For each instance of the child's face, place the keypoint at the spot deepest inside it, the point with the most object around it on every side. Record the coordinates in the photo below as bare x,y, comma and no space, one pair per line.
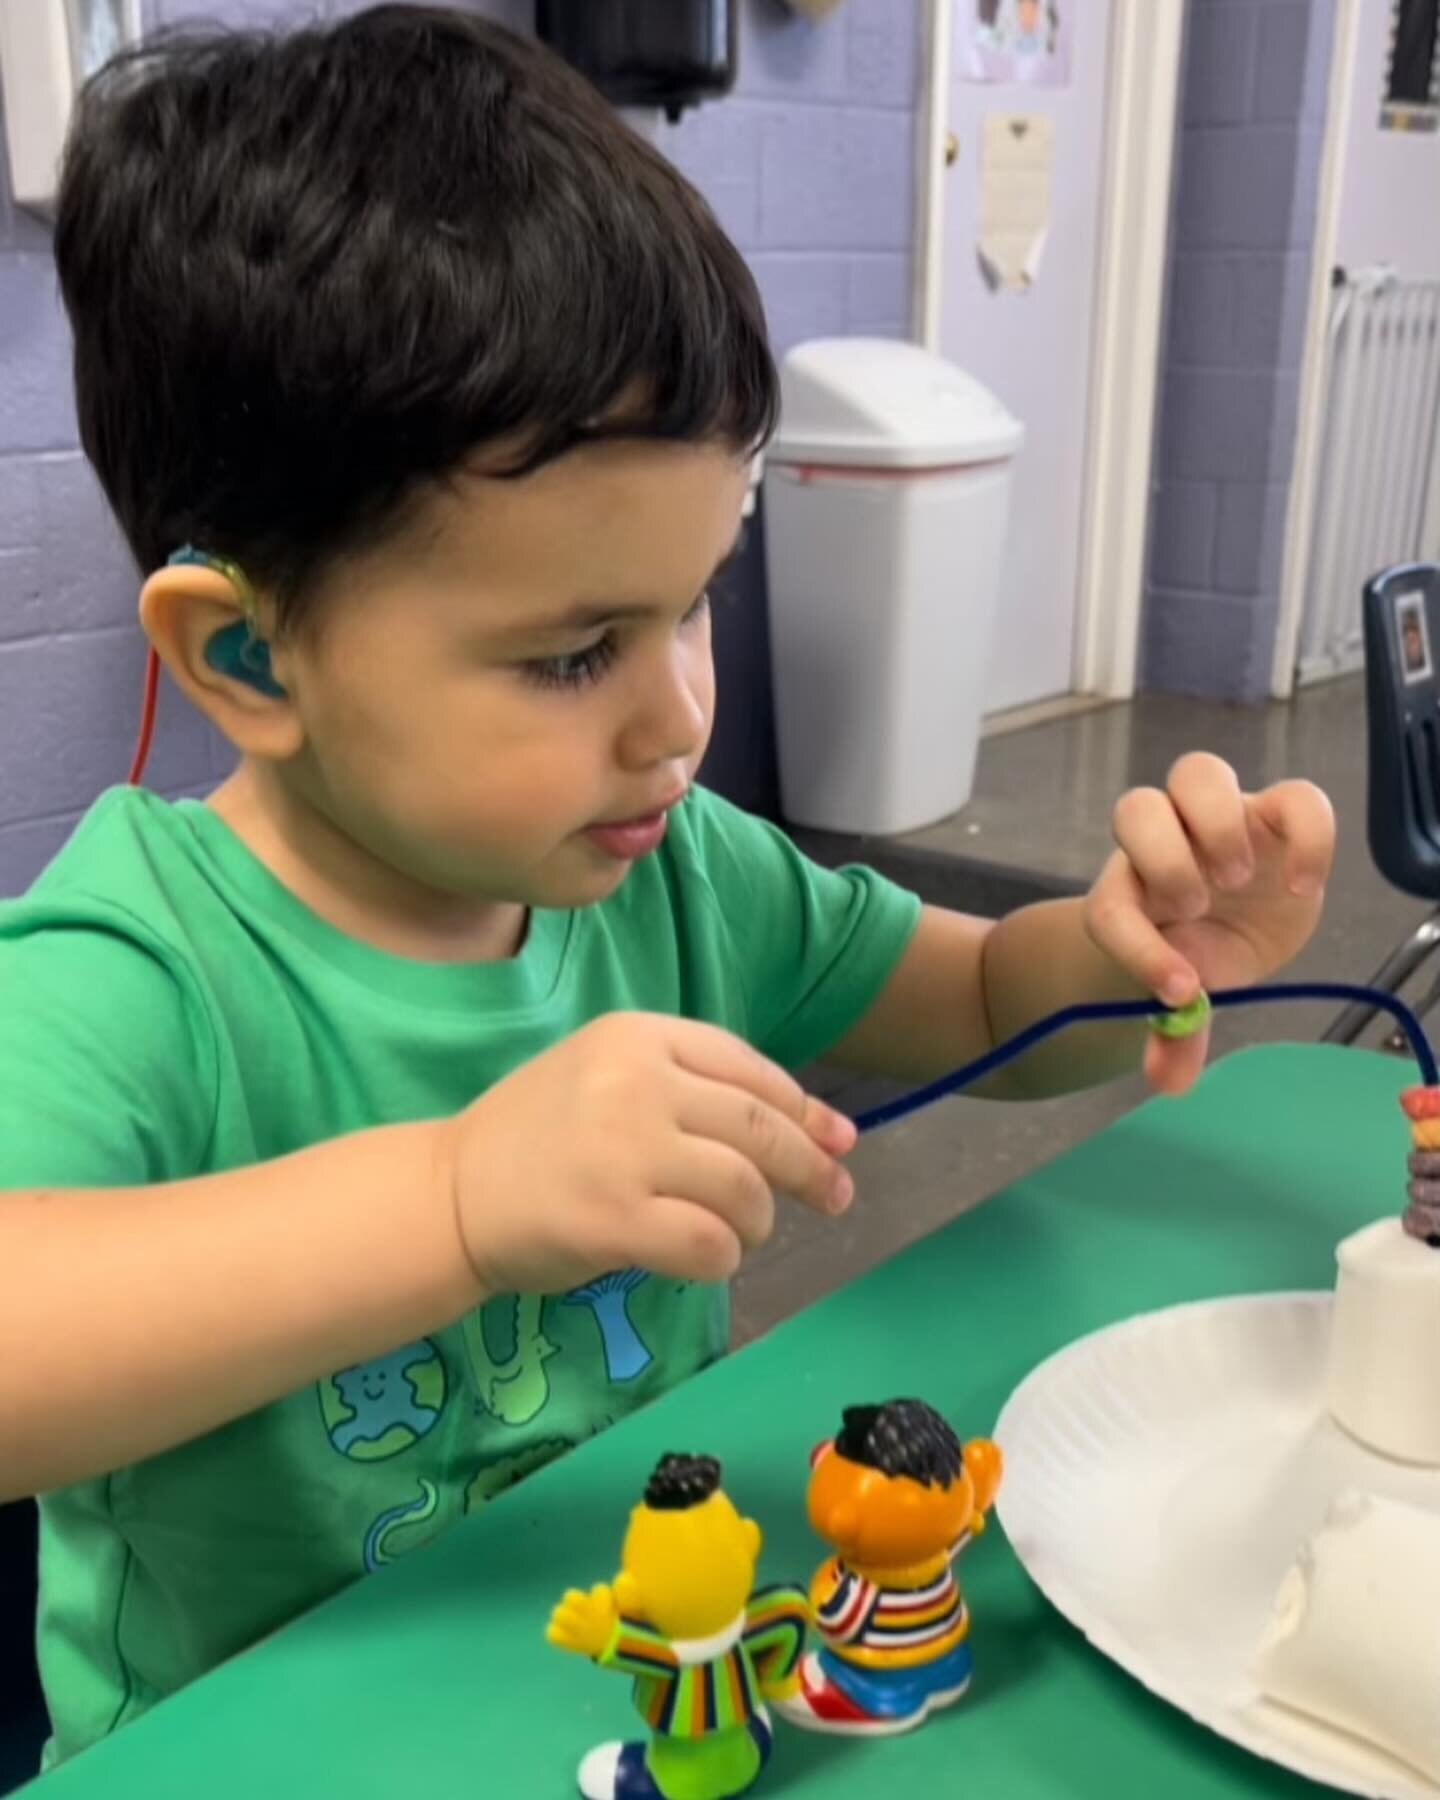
524,662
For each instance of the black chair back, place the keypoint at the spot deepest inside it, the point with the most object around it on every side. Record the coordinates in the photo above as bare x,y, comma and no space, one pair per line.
1402,692
23,1722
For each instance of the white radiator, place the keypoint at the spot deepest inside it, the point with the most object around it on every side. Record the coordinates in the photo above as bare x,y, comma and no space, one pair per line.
1379,500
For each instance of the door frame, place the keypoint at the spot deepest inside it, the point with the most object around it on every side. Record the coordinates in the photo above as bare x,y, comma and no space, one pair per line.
1143,96
1306,475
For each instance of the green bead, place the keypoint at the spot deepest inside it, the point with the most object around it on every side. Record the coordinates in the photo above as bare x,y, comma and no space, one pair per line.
1183,1021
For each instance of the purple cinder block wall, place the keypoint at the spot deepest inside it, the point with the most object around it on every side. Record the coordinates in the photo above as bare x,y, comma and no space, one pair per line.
809,166
1242,234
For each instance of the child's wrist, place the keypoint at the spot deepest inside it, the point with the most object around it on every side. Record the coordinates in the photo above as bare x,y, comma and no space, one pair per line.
442,1151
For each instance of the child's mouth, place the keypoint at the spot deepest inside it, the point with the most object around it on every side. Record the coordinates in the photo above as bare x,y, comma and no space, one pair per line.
630,838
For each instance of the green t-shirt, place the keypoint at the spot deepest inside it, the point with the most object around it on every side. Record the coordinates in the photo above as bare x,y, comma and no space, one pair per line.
169,1009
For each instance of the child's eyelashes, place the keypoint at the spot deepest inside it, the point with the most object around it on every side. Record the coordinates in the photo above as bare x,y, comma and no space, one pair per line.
582,668
577,669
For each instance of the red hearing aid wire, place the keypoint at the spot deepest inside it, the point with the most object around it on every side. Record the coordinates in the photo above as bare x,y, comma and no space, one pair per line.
147,720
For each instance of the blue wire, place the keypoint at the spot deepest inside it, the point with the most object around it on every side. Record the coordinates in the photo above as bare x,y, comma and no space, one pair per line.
1034,1034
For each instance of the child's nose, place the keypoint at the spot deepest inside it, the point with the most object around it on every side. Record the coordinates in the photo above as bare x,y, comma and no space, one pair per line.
669,721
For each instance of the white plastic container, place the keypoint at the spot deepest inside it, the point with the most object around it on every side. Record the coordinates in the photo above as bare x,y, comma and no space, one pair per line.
886,499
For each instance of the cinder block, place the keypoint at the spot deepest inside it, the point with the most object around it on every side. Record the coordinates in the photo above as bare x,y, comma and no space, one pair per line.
1220,65
804,296
36,409
837,179
1237,188
1182,535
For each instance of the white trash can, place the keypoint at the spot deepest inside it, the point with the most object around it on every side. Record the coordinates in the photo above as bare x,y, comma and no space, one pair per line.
886,497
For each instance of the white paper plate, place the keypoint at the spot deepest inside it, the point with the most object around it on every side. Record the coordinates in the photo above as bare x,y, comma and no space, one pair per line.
1159,1478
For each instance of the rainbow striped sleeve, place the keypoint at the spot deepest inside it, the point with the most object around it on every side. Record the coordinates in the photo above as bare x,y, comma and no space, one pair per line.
774,1636
637,1650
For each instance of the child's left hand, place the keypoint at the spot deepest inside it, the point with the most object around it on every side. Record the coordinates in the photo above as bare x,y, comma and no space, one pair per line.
1210,888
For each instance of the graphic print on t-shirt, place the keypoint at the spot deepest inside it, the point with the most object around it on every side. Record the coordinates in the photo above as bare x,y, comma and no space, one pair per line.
626,1352
376,1410
513,1387
414,1512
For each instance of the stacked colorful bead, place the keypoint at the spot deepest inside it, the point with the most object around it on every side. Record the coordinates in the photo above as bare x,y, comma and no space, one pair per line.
1422,1215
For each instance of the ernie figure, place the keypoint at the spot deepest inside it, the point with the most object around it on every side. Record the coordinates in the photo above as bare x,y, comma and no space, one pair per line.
706,1650
899,1499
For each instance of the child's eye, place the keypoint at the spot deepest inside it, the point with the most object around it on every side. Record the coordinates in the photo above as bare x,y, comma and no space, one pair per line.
576,670
579,668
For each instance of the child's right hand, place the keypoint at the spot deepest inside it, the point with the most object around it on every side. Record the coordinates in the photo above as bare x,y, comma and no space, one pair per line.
641,1141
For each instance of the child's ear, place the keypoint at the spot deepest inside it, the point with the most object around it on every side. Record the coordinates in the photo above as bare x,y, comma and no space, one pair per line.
626,1590
754,1538
184,607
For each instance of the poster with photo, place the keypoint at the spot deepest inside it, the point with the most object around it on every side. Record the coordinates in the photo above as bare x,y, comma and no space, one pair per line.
1023,42
1412,81
1415,658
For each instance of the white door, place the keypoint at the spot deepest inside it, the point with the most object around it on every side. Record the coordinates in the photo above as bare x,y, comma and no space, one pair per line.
1033,346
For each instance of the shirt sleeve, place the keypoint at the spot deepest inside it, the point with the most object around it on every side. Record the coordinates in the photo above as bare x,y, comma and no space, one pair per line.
107,1060
776,1622
814,947
636,1649
842,1602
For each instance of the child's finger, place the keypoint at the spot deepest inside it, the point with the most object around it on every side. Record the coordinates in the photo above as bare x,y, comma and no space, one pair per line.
1116,919
1174,1065
675,1237
1301,816
717,1056
1148,829
775,1149
714,1176
1205,793
831,1130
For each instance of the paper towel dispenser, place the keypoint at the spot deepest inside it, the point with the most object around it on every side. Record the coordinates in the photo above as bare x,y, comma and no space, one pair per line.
660,53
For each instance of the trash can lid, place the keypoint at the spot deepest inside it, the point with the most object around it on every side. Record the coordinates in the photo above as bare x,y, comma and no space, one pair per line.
881,403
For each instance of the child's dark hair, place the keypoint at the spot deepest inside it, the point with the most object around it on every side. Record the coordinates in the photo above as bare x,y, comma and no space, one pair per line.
309,272
680,1482
903,1437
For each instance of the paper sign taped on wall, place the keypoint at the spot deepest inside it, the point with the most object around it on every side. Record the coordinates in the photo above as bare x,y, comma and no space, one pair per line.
1014,41
1015,197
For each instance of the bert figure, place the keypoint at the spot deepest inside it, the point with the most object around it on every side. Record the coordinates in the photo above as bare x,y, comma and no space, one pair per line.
705,1650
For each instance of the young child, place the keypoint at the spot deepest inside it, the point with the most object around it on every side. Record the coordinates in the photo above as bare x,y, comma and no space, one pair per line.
393,1120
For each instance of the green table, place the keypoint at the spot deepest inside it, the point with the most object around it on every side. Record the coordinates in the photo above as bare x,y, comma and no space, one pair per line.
432,1679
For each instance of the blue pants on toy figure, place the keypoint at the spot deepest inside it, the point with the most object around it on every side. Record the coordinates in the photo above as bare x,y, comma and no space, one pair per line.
899,1693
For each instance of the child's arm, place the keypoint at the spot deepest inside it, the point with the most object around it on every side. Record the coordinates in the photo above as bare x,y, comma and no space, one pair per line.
134,1318
1209,888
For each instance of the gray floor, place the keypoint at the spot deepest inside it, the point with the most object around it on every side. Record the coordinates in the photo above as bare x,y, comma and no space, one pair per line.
1042,802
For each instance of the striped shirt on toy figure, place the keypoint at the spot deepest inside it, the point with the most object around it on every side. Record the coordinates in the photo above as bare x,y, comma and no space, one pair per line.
705,1650
899,1499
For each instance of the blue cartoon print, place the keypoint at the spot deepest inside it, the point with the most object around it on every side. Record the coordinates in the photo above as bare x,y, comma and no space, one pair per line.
398,1518
376,1410
626,1353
